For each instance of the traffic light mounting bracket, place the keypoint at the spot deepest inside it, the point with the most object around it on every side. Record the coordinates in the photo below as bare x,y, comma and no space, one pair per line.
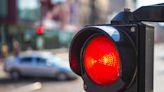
152,13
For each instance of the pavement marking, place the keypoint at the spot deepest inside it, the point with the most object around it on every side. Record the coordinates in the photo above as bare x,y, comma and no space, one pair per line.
28,88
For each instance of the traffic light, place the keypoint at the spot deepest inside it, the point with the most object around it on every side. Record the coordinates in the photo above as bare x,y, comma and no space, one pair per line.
117,57
39,30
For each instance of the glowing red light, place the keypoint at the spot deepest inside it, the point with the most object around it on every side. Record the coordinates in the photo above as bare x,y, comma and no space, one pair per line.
101,60
40,30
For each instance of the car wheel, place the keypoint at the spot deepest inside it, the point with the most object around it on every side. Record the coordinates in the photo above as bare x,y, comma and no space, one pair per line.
61,76
14,74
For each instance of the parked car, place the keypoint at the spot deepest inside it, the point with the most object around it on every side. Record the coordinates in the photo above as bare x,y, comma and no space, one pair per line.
38,64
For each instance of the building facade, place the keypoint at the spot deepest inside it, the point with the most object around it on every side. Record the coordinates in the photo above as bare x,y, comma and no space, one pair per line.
19,20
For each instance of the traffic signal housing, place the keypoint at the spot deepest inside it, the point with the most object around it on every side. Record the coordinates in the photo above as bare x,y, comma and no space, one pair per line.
117,57
113,58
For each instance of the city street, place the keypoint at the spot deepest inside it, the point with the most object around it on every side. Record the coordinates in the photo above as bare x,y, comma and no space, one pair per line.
36,36
50,85
41,84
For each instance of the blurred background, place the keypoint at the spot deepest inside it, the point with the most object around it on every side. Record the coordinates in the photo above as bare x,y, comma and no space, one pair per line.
35,36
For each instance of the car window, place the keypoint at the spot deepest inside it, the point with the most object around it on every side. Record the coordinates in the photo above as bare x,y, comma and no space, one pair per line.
41,61
26,60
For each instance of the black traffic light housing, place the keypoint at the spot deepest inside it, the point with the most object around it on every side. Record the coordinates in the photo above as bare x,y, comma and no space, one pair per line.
135,44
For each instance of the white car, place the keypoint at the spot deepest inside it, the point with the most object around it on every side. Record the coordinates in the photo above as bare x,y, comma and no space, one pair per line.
38,64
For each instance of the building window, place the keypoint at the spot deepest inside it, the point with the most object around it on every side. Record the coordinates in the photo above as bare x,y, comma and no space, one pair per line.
29,10
3,9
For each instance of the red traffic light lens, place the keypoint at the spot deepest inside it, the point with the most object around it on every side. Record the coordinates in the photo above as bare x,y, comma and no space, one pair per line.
40,30
101,60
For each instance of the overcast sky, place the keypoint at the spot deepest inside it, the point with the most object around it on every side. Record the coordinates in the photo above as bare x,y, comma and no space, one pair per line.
148,2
